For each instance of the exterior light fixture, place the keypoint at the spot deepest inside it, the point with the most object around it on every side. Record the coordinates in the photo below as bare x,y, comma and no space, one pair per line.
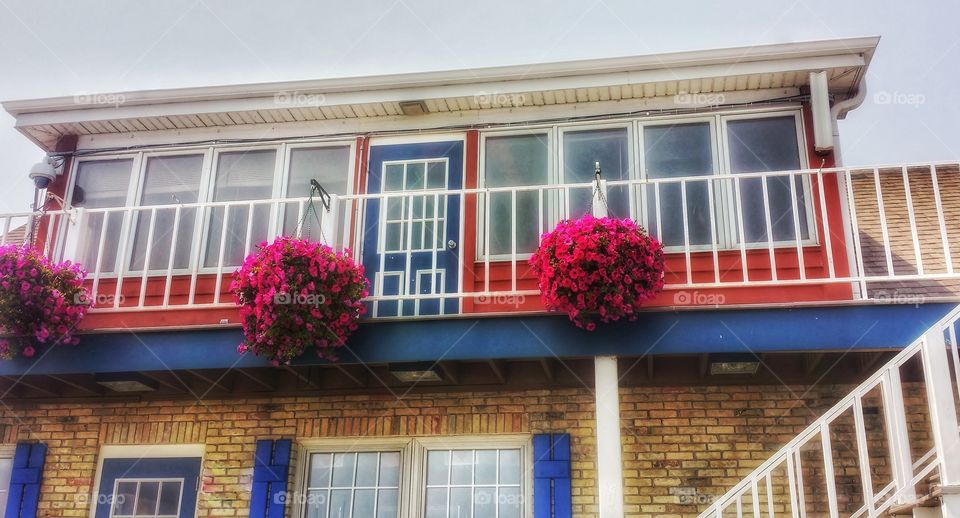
415,372
726,364
125,382
414,108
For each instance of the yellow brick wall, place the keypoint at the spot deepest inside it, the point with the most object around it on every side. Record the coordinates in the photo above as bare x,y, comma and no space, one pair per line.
681,445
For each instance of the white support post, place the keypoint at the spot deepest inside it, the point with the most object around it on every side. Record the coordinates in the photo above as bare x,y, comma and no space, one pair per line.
943,418
609,460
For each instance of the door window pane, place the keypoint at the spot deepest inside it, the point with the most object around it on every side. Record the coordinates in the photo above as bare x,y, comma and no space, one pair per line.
768,144
514,161
168,180
674,151
359,484
240,175
473,483
147,498
581,151
330,167
414,223
101,184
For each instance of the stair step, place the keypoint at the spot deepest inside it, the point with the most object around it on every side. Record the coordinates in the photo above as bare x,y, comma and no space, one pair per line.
931,499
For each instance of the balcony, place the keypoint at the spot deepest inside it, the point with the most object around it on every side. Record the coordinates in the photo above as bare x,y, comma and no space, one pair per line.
810,236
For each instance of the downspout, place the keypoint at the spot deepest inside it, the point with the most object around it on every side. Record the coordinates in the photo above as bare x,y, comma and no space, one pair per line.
839,111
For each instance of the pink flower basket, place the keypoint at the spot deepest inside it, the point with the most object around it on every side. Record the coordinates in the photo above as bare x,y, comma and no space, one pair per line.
598,269
295,295
41,302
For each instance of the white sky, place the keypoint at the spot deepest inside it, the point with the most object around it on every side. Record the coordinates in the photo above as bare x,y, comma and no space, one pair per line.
54,48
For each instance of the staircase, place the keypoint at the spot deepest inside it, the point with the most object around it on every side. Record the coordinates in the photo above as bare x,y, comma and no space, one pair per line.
890,447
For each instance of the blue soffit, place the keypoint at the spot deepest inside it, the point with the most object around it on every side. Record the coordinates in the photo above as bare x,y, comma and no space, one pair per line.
837,328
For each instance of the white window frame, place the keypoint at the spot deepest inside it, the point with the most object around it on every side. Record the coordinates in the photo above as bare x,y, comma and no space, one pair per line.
722,211
116,486
810,209
551,197
288,148
633,172
7,451
413,463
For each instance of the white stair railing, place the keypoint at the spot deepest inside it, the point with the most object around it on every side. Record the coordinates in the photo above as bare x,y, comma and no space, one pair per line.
890,460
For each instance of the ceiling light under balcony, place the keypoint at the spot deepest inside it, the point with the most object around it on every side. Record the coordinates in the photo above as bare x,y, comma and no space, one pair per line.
125,382
731,364
414,108
415,372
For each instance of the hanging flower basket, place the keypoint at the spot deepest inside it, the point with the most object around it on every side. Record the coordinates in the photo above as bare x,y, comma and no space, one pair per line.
295,295
598,269
41,302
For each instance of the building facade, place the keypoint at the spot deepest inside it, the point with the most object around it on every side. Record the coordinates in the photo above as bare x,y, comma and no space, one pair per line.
804,340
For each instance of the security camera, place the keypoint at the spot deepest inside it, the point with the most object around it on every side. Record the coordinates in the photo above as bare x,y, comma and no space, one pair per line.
46,171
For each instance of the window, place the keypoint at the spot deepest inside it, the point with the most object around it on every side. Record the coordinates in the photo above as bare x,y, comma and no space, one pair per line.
167,180
330,167
348,484
582,150
479,483
422,478
409,221
768,144
6,470
135,498
240,176
511,161
101,184
673,151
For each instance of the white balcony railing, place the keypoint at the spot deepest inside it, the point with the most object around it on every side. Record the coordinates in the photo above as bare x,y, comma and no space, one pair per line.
876,232
853,463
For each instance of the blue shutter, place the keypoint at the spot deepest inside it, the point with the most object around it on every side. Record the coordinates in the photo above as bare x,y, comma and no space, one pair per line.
270,469
551,476
25,480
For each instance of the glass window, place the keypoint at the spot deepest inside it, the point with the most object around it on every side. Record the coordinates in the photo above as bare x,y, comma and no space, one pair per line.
6,469
240,176
330,167
581,151
511,161
410,221
767,144
147,498
478,483
673,151
168,180
101,184
353,484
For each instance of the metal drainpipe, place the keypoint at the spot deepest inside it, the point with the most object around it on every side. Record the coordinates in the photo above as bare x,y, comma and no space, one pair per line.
837,111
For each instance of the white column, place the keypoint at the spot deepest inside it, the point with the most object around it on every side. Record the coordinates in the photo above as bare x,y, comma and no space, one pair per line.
943,418
609,461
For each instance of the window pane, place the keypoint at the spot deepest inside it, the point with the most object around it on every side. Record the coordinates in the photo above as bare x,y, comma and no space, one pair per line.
340,503
436,503
461,502
767,144
485,502
510,466
366,469
343,465
387,503
329,166
390,469
124,498
513,161
438,467
317,501
486,467
147,498
169,498
168,180
461,467
509,501
673,151
101,184
581,151
6,469
241,175
363,502
320,470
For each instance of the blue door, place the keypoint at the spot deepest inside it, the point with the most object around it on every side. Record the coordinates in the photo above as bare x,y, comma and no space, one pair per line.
148,488
411,243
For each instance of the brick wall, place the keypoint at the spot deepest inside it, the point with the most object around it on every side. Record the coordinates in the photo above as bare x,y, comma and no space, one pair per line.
681,445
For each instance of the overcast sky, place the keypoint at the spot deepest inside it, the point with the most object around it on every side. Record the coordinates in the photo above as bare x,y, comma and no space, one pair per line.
54,48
